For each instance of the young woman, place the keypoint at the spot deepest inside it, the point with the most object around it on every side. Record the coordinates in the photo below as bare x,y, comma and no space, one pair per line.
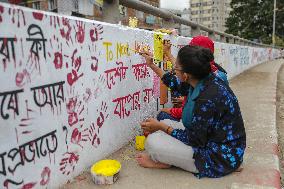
211,139
171,81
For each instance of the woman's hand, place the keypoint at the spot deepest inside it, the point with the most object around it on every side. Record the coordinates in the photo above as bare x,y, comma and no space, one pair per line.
167,47
151,125
167,110
148,57
149,61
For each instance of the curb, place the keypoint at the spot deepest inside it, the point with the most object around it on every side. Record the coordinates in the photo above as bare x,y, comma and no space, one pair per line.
269,176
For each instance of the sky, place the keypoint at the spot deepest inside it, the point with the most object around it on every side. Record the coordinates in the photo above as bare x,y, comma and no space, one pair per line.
174,4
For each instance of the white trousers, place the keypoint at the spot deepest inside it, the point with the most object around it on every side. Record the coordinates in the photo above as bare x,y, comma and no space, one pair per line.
164,148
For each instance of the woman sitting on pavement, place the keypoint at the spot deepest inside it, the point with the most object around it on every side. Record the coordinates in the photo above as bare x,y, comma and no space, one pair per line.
210,141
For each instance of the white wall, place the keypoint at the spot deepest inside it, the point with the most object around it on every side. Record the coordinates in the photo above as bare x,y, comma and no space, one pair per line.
59,110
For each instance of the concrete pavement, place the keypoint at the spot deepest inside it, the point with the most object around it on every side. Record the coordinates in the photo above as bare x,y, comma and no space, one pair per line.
256,91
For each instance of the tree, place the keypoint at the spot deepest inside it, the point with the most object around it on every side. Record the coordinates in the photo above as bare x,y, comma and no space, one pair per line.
252,19
279,41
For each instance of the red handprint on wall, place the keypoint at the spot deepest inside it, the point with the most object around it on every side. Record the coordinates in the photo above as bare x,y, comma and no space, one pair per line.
99,85
94,60
103,115
94,65
65,31
56,54
80,31
69,162
74,110
58,59
76,60
94,135
71,104
96,32
72,118
94,129
88,95
76,64
77,136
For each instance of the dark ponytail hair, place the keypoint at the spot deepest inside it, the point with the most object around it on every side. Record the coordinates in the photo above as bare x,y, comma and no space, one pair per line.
195,60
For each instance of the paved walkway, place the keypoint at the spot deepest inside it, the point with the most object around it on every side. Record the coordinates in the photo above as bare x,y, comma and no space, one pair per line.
256,91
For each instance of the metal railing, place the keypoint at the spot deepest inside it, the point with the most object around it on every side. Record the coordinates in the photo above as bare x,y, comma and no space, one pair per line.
195,28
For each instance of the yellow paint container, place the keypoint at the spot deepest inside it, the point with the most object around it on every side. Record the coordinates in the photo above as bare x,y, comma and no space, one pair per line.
105,171
140,143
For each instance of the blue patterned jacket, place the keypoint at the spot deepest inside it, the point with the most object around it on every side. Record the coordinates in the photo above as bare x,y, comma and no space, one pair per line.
216,133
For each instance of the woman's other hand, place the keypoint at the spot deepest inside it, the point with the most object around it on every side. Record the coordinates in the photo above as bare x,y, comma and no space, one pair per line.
151,125
148,57
167,47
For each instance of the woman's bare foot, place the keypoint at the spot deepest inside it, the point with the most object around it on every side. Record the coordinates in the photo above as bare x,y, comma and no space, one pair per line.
144,160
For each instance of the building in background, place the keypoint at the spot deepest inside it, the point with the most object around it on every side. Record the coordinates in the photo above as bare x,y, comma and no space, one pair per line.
182,29
46,5
180,8
102,10
91,9
81,8
210,13
145,21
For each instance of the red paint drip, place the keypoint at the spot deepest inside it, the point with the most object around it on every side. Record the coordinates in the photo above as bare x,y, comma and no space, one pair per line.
4,64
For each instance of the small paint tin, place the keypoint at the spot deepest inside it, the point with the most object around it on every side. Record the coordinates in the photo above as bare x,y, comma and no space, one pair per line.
105,172
140,142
